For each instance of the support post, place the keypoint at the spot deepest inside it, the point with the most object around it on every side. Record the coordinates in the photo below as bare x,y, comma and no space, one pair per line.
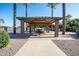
26,27
52,27
34,27
22,27
56,28
47,28
30,28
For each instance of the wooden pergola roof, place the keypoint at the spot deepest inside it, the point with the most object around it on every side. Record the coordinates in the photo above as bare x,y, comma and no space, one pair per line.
42,20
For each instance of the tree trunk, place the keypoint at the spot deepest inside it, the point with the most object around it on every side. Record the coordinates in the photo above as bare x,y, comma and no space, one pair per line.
26,9
52,12
52,16
64,22
26,15
14,19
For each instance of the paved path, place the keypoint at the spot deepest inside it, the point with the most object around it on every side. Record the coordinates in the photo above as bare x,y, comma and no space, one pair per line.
40,47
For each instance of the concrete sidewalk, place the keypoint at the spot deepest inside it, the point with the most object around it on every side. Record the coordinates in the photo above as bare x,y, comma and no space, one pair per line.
40,47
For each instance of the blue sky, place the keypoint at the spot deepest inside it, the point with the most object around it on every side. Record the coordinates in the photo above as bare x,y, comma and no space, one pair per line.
35,10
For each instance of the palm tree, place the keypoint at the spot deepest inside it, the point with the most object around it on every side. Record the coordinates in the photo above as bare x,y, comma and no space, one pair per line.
68,23
26,9
52,5
64,21
26,4
14,19
1,22
68,18
76,22
26,13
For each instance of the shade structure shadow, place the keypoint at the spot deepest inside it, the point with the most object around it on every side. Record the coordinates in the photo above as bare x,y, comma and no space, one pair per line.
19,35
44,35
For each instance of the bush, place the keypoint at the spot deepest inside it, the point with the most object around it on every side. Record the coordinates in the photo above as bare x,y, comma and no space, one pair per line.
68,28
4,39
39,31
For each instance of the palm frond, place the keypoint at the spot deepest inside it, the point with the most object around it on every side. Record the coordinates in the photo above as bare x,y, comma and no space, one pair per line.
28,4
52,5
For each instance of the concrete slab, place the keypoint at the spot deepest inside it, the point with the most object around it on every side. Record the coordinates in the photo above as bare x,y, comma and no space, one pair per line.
40,47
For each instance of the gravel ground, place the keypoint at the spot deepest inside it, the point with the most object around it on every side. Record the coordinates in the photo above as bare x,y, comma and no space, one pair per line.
69,47
13,47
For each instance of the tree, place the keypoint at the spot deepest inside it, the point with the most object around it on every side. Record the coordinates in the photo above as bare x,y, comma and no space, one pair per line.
1,22
76,22
26,14
70,23
14,19
68,18
77,25
26,9
26,4
52,5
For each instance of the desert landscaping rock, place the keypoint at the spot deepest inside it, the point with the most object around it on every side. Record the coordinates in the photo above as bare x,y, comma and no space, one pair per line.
13,47
69,47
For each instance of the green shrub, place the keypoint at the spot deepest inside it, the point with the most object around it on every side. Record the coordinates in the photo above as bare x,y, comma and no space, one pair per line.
4,39
39,31
68,28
